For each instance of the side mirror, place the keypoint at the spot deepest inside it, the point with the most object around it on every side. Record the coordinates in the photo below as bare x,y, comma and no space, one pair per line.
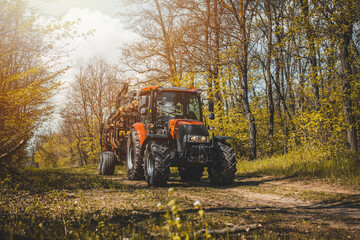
211,106
211,116
143,102
143,111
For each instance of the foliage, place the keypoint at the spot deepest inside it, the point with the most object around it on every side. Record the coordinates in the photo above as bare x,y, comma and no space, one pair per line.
90,99
312,162
177,229
298,76
28,75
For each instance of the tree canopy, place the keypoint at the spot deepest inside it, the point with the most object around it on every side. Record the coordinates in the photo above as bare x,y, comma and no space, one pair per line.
28,76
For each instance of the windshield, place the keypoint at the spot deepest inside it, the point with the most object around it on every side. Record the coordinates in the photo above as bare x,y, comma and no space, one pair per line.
179,105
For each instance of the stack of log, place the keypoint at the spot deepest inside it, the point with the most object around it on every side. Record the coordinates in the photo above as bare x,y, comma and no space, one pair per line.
130,109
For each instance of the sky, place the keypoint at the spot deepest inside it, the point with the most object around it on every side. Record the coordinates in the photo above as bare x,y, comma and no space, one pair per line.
61,7
101,17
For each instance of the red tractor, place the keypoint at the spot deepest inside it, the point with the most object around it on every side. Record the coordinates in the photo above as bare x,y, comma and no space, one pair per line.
163,127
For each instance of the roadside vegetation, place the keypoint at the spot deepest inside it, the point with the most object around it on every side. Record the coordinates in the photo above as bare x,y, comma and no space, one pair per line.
307,163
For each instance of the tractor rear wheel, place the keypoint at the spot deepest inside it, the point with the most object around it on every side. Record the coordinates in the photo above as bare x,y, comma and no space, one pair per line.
157,163
190,173
134,159
222,172
107,161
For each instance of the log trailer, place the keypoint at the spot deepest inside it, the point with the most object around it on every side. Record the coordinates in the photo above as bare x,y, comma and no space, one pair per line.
162,127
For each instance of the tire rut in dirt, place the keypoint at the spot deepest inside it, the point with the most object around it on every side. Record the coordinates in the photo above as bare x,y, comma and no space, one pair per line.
135,162
157,163
223,171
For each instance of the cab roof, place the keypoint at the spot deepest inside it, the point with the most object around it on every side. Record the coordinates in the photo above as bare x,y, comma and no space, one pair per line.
169,89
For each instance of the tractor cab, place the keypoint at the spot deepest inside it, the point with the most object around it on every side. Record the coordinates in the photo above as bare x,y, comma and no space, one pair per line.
159,105
176,114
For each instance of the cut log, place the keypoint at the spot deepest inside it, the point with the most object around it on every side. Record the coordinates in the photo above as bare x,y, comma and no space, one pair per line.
230,230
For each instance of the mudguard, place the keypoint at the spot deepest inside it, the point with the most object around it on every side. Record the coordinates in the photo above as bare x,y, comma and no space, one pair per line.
142,131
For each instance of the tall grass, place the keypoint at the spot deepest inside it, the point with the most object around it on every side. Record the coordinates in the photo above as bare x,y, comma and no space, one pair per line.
313,162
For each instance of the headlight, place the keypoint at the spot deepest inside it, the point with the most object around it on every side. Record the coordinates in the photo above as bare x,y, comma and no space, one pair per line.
196,139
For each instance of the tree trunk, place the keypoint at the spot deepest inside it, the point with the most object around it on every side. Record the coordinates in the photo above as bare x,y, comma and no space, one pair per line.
244,79
346,74
270,102
240,14
170,57
310,38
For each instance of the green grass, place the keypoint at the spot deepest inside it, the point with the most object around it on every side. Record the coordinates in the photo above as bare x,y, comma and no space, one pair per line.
307,163
40,180
77,203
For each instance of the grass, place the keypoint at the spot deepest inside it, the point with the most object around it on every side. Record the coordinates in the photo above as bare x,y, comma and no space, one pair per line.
307,163
77,203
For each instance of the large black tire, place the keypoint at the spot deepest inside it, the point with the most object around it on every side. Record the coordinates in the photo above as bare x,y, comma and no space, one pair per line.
157,163
190,173
222,172
107,162
134,158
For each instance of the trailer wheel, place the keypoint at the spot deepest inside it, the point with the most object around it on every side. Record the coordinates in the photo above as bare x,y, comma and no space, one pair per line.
134,159
190,174
222,172
157,163
107,161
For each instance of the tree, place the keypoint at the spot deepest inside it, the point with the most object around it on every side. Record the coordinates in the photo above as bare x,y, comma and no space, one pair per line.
243,13
346,18
91,99
27,80
291,65
161,28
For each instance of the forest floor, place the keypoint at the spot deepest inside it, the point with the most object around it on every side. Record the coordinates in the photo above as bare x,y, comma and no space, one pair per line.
283,208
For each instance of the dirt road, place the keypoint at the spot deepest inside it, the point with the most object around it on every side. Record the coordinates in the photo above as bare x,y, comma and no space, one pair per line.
286,208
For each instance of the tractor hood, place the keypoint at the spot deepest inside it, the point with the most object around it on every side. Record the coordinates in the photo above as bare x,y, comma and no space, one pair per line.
178,128
174,126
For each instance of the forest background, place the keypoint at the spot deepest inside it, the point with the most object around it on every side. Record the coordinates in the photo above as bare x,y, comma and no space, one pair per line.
284,76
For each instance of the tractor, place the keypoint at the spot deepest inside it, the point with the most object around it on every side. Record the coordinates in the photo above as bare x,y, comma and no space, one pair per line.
162,127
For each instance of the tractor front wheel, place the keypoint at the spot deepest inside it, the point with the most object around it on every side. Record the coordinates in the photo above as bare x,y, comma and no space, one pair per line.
134,159
222,172
157,163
